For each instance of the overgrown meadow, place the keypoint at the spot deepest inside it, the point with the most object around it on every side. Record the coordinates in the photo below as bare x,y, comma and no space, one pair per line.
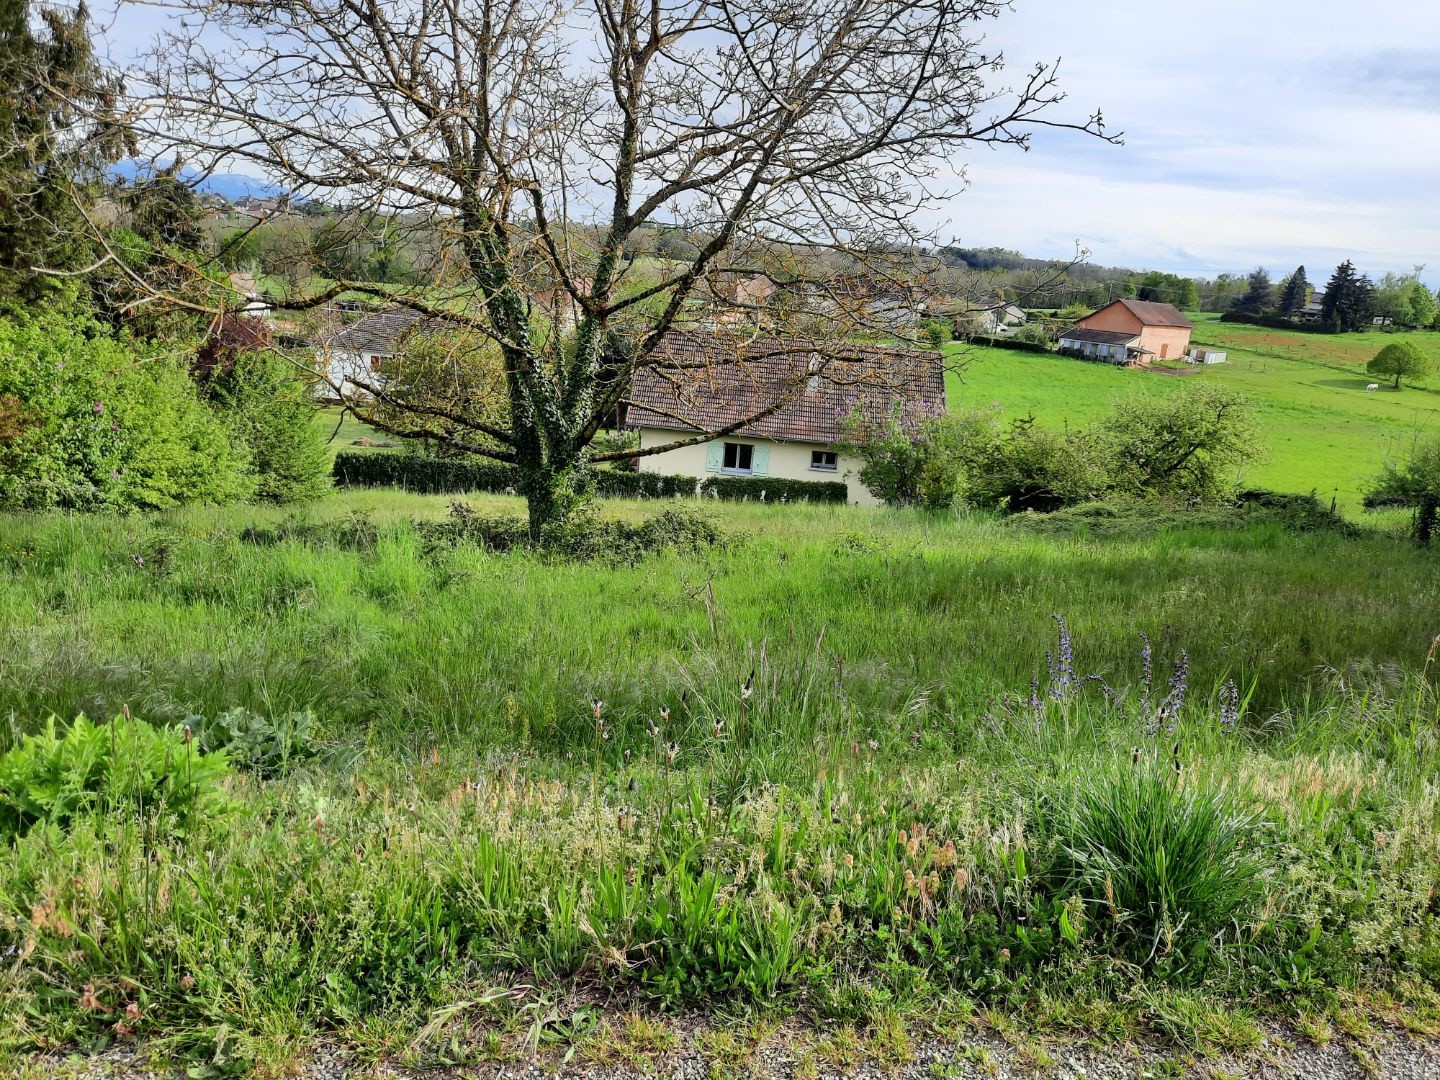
878,768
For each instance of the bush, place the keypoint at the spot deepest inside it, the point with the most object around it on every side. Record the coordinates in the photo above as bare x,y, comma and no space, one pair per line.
126,764
436,477
773,489
1160,862
270,412
1018,344
582,537
918,458
261,744
1033,468
88,422
1187,446
1414,484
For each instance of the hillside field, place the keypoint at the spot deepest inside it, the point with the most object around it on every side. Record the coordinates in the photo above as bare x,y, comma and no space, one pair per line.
1322,430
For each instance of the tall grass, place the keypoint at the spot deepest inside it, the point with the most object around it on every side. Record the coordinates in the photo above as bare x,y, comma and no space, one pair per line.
827,767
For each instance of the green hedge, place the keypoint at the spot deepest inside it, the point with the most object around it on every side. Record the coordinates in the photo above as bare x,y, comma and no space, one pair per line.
1009,343
433,476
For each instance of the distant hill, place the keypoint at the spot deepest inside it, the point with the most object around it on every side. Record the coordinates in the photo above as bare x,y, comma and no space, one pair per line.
230,186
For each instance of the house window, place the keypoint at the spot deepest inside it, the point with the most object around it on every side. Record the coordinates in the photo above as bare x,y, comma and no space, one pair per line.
378,359
824,460
739,458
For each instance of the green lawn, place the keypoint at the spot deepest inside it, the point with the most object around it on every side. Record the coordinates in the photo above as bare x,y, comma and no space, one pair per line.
1322,430
342,430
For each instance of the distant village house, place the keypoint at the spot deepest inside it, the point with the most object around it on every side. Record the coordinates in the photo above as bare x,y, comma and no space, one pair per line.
1130,332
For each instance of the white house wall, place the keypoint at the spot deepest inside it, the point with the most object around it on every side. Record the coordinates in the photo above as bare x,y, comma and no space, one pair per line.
788,461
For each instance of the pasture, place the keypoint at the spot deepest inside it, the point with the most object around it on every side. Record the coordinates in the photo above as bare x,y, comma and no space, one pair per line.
1322,431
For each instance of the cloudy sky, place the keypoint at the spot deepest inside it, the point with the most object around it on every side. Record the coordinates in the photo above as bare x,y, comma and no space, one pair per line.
1256,133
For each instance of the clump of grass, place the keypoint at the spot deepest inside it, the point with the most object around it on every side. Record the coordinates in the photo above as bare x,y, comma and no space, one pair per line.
1164,863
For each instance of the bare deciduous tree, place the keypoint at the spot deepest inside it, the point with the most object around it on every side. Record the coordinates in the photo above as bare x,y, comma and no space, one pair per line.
792,139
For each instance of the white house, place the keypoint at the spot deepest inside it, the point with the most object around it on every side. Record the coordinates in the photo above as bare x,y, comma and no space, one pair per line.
710,383
357,351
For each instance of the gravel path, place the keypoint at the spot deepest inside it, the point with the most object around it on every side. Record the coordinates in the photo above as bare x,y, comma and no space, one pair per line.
785,1056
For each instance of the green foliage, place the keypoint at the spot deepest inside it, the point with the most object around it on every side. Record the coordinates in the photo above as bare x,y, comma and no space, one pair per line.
1166,288
1187,446
1033,468
267,745
582,536
443,477
126,765
1402,360
1166,866
1412,483
1294,293
58,131
937,332
269,411
97,423
1349,300
917,458
459,373
1259,296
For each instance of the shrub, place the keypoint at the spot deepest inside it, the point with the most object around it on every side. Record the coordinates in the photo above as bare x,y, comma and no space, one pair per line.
434,477
1032,468
937,332
1185,446
582,536
916,457
1018,343
1413,483
1164,863
261,744
53,778
87,425
270,412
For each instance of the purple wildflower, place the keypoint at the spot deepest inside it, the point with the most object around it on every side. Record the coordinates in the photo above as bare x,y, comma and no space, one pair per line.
1062,665
1147,671
1229,705
1169,708
98,408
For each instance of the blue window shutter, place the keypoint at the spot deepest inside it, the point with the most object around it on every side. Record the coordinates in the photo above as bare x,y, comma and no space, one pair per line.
760,461
714,455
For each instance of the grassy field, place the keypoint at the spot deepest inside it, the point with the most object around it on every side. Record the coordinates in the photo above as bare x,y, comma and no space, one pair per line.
1322,431
847,764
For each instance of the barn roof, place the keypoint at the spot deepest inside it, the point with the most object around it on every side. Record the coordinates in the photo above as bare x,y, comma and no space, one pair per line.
1152,313
707,383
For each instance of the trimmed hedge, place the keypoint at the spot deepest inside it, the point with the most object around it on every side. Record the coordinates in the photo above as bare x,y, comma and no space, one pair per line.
1009,343
434,476
773,489
1276,322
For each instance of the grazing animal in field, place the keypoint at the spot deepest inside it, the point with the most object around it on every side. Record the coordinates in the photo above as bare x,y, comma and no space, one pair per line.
1372,387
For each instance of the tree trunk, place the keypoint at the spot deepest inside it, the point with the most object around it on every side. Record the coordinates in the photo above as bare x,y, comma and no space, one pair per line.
551,495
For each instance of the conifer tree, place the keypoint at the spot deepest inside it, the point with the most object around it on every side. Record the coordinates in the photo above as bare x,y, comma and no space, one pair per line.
1349,299
1295,292
58,132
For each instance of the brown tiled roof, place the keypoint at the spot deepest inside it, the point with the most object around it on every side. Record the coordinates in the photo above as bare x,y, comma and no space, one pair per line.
707,383
1151,313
